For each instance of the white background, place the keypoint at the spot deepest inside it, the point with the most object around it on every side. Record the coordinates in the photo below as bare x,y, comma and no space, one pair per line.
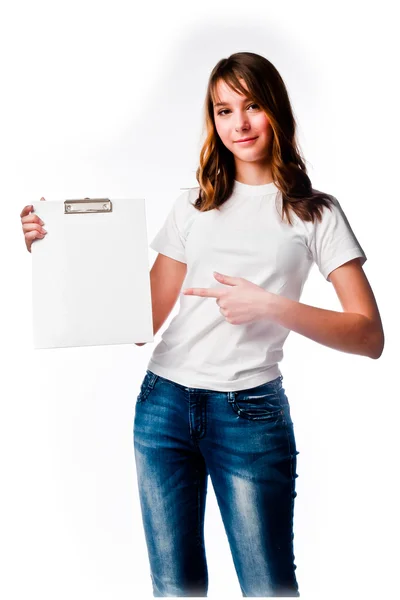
106,99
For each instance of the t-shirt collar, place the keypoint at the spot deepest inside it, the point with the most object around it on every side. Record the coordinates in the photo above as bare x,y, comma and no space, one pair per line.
253,190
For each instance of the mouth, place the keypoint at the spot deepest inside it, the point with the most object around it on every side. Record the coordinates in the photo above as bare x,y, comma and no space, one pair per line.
245,140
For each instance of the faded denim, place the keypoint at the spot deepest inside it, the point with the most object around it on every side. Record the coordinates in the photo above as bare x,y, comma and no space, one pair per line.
245,441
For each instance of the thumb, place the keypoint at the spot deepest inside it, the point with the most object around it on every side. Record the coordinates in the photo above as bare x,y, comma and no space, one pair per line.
227,279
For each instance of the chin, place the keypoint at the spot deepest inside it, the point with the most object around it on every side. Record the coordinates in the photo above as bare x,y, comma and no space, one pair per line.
249,155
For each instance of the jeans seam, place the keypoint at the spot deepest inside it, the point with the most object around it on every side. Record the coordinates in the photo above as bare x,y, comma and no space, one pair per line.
293,479
199,538
151,381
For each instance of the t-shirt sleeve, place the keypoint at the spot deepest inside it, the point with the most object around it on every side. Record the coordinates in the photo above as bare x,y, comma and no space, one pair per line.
171,238
332,240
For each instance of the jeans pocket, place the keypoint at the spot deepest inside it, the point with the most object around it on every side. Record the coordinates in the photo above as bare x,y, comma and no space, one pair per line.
145,387
260,403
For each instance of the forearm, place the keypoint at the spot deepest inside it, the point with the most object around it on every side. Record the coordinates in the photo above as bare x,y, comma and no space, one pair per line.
344,331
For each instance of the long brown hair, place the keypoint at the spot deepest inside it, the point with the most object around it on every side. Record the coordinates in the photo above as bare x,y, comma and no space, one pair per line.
216,171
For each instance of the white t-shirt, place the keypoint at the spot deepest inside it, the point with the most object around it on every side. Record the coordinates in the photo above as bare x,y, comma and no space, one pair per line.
246,238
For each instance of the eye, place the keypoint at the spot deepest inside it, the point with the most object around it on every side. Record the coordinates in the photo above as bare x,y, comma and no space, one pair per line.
227,109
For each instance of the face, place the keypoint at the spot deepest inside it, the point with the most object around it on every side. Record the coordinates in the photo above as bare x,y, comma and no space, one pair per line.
239,117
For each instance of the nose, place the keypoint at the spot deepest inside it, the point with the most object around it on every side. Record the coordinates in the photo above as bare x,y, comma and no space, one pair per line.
242,122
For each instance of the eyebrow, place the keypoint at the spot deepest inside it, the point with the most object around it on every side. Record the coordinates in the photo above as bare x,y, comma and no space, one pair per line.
224,103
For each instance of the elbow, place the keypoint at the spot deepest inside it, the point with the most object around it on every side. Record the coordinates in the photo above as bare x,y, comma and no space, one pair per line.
376,353
376,346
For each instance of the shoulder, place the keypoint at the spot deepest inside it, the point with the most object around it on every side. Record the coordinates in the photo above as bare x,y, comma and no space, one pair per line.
189,194
186,195
330,214
184,203
183,211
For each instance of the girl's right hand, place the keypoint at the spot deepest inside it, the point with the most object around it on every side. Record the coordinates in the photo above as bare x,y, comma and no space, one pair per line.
31,226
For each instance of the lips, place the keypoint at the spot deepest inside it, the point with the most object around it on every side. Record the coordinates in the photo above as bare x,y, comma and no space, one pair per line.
245,140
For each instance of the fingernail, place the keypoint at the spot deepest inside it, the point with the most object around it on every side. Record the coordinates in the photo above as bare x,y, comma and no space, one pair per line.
44,231
41,222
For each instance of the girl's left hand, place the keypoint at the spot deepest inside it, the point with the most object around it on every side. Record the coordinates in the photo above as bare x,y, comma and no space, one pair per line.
242,302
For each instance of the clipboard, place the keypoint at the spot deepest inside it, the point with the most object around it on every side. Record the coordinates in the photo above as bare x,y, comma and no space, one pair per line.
90,274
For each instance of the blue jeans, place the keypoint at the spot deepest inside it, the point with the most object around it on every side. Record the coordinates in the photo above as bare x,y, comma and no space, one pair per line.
245,441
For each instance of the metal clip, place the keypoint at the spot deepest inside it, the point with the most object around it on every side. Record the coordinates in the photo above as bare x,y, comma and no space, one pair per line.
87,205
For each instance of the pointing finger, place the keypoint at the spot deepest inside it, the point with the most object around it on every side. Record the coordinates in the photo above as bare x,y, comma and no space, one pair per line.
208,292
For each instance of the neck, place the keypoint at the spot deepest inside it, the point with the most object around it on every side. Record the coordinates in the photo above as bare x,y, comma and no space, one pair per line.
253,173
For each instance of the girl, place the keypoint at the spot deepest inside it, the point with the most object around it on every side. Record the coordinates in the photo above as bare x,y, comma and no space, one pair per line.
212,400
